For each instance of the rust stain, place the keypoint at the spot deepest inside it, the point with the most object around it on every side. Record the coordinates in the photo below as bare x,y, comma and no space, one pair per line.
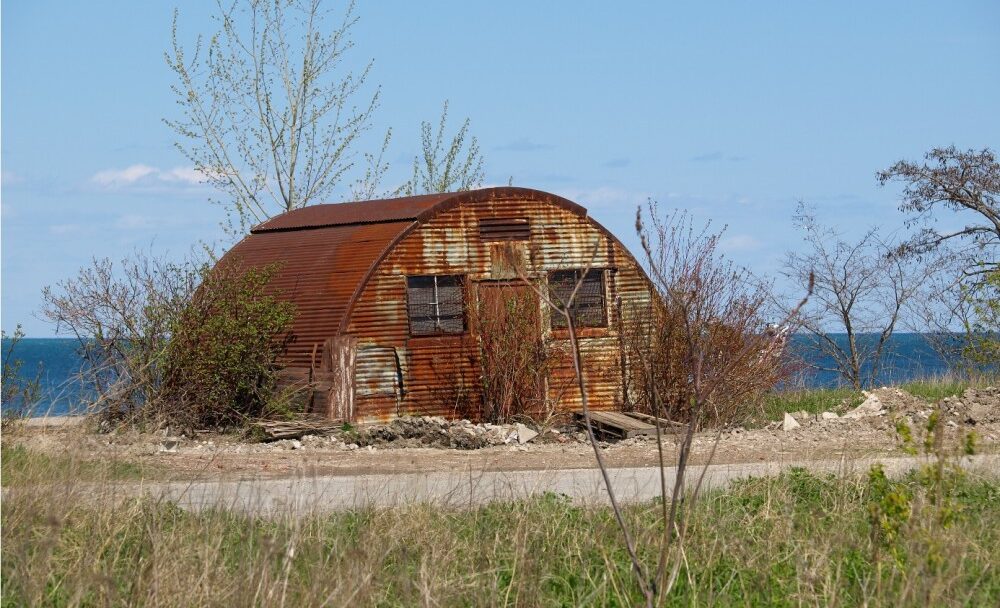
345,267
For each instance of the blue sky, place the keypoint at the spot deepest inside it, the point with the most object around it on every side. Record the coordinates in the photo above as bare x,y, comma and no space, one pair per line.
734,111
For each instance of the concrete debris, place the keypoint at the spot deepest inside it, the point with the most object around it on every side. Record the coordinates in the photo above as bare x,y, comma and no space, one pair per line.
975,406
436,431
876,417
525,434
871,406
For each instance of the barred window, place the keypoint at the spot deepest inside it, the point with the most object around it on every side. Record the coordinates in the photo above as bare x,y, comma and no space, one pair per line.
435,305
588,308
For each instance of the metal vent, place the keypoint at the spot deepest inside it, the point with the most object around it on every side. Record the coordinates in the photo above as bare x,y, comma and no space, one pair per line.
504,229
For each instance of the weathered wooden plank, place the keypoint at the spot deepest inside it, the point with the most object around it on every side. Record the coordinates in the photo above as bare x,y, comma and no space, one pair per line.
293,429
668,425
615,425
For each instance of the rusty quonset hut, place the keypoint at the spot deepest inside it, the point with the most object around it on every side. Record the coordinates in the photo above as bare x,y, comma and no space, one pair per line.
388,291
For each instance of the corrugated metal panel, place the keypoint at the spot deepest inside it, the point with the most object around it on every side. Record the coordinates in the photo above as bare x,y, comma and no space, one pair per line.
362,212
440,371
319,270
345,267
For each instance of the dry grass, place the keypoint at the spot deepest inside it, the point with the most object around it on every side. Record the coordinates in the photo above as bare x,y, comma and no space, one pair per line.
798,539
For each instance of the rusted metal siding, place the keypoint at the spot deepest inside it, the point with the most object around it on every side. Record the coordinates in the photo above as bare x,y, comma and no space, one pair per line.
442,370
363,212
345,266
318,270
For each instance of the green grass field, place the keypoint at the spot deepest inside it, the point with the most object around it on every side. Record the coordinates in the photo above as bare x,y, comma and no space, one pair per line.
798,539
795,540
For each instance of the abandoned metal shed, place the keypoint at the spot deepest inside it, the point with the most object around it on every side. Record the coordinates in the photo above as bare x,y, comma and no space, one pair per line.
407,306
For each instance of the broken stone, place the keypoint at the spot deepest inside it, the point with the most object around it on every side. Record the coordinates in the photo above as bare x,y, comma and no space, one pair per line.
789,423
525,434
829,416
871,406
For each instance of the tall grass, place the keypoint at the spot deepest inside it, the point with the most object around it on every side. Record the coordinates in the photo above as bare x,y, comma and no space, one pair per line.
813,401
935,388
793,540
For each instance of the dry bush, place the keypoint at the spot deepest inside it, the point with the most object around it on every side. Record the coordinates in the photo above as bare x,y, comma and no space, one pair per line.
707,326
121,313
172,343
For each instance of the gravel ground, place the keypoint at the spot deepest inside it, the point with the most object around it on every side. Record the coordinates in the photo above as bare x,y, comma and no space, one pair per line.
432,444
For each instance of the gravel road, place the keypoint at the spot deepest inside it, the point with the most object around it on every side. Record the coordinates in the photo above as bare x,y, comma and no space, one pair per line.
305,495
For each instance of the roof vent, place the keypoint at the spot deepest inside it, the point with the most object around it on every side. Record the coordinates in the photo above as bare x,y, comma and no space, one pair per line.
504,229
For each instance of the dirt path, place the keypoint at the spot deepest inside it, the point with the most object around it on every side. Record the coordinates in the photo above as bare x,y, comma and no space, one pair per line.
458,489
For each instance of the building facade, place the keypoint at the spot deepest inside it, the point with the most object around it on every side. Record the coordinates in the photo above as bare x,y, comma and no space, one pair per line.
419,305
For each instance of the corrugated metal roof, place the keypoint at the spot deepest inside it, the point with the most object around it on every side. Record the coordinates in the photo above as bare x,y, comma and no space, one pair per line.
326,253
359,212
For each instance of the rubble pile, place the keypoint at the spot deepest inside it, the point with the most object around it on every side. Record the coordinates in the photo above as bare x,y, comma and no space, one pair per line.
437,431
974,406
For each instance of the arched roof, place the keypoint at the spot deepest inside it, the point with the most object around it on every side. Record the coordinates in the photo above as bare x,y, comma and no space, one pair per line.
327,253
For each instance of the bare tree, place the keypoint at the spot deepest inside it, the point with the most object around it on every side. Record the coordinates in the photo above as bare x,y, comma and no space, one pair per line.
965,182
728,351
439,169
121,314
270,114
944,310
18,394
700,289
688,275
862,289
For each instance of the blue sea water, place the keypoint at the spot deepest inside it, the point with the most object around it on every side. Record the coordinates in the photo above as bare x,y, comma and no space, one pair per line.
56,361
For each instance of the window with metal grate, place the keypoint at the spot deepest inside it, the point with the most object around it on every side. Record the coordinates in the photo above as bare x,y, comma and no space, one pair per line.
504,229
435,304
588,309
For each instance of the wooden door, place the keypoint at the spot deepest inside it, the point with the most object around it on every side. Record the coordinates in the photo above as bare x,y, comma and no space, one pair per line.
512,357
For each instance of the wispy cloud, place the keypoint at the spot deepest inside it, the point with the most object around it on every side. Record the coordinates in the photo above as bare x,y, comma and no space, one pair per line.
606,197
740,243
123,177
617,163
717,156
140,175
523,144
8,178
132,221
62,229
188,175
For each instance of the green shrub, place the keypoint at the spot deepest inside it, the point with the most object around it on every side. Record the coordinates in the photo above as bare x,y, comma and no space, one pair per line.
220,362
184,344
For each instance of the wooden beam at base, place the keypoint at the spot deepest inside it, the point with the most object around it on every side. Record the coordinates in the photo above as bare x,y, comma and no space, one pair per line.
610,426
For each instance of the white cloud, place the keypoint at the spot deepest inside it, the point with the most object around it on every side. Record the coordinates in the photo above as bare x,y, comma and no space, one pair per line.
188,175
64,228
123,177
134,222
146,177
741,242
8,178
607,198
